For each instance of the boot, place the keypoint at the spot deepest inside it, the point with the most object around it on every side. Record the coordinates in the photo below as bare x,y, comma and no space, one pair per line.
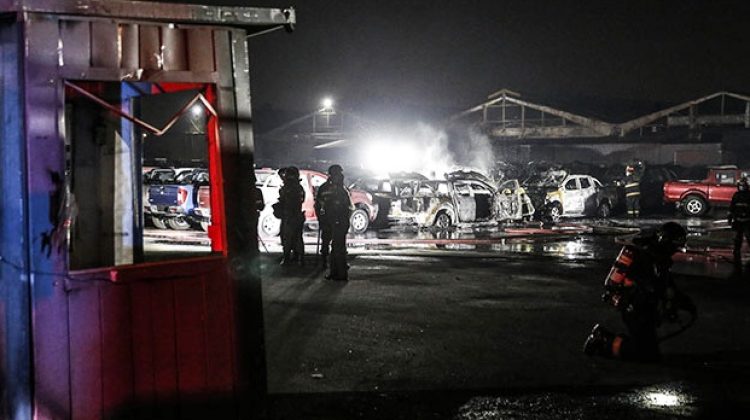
599,342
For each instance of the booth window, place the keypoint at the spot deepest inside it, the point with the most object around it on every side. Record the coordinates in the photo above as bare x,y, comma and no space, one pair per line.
141,162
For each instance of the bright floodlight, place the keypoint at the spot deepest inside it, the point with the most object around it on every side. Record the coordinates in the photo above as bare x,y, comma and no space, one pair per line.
384,157
327,103
197,110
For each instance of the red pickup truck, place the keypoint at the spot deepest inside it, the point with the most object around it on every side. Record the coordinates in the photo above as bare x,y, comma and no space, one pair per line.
695,198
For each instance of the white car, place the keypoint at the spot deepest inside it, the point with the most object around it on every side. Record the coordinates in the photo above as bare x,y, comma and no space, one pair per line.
575,196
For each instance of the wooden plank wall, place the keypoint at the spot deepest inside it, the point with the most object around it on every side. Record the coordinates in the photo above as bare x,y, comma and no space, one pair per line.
156,348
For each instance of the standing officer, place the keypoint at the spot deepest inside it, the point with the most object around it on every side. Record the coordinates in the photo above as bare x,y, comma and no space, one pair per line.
632,191
337,208
638,284
291,197
323,193
739,219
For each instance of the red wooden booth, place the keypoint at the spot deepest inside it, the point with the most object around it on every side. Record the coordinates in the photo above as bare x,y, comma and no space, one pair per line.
96,318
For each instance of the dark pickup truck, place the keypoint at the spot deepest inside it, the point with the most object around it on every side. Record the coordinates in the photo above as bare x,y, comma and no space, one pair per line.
171,202
695,198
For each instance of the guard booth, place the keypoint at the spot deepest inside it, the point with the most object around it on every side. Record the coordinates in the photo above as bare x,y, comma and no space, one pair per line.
97,319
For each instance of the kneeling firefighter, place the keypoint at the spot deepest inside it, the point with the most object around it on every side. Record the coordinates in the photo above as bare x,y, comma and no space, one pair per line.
640,286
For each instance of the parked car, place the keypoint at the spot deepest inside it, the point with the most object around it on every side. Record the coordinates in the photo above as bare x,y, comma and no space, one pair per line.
695,198
457,201
154,176
172,202
578,196
201,214
269,181
381,191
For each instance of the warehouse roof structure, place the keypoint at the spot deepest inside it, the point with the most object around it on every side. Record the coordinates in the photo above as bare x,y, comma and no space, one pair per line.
505,115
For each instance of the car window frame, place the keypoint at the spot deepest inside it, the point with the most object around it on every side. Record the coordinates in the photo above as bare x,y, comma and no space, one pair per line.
574,180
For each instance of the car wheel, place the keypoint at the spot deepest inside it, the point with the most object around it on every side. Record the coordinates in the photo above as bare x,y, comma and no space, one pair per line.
554,213
443,220
359,221
604,210
158,222
694,206
269,226
178,223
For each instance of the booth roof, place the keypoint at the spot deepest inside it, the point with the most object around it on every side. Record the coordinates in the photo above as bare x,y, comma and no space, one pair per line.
139,10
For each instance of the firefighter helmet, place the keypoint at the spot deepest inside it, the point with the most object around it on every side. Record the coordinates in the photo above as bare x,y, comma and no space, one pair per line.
671,236
291,173
743,184
335,169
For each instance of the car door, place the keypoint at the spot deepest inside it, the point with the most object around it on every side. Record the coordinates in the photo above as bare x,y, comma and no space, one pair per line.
571,197
271,189
507,200
588,194
724,186
483,200
463,196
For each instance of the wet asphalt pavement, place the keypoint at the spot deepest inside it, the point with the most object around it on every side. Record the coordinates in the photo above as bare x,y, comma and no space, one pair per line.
489,324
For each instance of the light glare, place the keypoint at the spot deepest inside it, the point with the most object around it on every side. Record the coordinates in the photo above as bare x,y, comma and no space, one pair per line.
661,399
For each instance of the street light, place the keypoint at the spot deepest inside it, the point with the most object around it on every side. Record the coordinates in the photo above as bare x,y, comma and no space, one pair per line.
197,110
327,104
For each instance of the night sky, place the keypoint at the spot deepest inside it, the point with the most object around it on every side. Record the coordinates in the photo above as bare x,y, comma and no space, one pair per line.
386,57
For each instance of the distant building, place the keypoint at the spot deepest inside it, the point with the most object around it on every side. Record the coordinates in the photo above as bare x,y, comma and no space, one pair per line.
713,129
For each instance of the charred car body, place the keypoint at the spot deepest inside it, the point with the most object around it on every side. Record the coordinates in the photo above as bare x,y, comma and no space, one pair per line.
456,201
561,195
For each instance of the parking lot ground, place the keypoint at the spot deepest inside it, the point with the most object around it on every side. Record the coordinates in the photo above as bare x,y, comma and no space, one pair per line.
488,323
491,332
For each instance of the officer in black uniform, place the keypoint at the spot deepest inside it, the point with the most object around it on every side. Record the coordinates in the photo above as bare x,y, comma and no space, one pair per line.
638,285
633,191
337,208
739,219
291,197
323,193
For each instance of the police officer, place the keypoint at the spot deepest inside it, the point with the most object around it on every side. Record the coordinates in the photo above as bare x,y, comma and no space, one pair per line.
337,208
632,191
739,219
291,197
323,193
638,285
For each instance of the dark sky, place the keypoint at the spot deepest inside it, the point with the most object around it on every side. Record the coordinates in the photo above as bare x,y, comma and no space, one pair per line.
378,54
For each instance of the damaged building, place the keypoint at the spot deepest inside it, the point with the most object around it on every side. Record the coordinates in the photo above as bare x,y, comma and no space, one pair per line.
712,129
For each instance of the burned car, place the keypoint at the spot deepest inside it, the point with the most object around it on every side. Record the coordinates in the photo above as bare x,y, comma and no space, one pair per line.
456,202
513,202
578,196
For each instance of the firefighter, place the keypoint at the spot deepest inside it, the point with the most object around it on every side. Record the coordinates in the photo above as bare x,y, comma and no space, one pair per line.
291,197
739,219
639,285
323,193
632,191
337,208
